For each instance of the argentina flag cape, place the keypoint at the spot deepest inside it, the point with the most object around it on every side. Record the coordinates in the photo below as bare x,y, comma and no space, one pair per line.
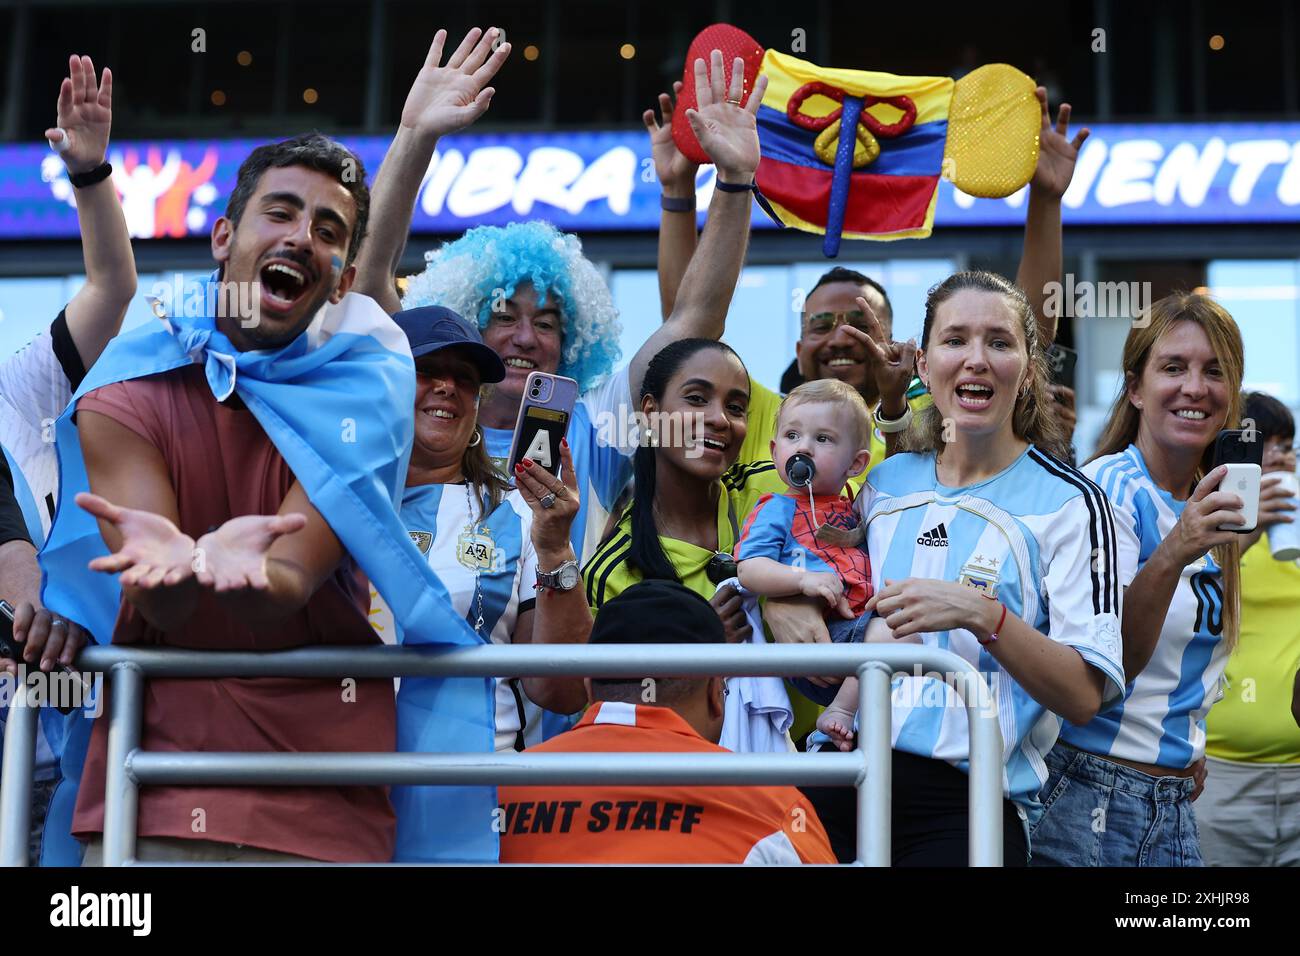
338,403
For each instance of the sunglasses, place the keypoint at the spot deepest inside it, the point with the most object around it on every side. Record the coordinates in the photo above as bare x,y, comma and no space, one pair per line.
824,323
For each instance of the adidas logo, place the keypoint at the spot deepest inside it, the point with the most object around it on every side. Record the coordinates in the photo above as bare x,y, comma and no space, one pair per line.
934,538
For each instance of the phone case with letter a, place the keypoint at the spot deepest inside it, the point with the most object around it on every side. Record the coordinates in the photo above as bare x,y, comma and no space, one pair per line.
543,420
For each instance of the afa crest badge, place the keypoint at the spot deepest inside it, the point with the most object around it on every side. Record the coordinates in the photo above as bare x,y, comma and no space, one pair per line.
422,540
981,574
476,549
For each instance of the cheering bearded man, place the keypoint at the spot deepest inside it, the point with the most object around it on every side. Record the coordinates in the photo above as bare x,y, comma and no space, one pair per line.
242,468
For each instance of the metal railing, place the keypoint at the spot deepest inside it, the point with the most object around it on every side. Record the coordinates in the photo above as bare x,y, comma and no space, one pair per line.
867,768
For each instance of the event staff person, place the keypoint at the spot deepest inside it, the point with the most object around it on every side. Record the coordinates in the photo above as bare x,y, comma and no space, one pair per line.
1249,812
1136,760
636,824
540,303
1023,587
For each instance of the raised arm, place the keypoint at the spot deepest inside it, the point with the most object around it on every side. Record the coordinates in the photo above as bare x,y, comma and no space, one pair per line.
1041,261
728,132
443,99
85,116
676,175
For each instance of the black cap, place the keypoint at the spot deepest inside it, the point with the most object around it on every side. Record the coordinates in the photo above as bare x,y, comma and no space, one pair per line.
431,327
657,612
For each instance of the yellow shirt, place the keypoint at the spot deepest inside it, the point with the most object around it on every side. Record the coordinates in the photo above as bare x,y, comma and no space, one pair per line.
1253,722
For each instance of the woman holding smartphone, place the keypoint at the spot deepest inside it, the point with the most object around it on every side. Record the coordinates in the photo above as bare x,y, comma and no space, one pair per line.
503,554
1120,787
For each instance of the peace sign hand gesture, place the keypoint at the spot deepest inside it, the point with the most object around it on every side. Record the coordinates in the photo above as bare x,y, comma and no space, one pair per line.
84,117
727,131
447,98
895,361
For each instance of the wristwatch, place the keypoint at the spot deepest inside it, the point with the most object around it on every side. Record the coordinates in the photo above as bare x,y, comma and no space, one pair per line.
563,578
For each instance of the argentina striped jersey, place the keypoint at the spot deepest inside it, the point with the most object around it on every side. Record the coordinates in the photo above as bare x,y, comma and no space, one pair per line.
501,550
1161,719
1039,537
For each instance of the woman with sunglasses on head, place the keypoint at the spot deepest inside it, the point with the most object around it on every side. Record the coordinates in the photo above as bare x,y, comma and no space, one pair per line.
504,555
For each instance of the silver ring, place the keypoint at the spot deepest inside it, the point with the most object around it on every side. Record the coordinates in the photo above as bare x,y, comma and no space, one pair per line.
547,500
58,622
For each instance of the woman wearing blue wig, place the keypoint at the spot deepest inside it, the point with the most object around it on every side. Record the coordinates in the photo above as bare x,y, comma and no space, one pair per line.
538,301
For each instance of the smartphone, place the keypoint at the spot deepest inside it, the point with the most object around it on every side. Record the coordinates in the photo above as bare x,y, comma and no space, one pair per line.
1243,460
1061,360
543,420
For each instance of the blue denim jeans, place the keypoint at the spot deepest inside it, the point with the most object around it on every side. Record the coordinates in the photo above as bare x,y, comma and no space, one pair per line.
1100,813
842,631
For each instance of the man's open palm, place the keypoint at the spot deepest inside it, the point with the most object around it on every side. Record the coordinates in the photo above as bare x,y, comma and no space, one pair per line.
154,552
234,556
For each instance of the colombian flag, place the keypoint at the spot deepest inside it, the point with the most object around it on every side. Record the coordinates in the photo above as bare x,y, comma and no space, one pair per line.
856,153
889,186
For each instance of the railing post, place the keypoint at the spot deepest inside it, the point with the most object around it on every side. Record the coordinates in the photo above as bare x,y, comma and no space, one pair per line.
121,793
16,783
874,740
985,773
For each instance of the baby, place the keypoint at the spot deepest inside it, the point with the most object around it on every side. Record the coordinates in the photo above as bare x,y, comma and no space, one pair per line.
807,540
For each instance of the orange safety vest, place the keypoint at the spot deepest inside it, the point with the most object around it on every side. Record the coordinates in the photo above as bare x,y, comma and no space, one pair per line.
639,824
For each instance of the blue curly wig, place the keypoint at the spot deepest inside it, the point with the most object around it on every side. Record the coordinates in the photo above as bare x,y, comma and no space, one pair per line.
465,275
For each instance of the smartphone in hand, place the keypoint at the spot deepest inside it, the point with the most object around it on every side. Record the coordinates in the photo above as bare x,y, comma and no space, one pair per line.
543,421
1243,460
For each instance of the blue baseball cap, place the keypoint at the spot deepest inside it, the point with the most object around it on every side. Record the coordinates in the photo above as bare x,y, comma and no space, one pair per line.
432,327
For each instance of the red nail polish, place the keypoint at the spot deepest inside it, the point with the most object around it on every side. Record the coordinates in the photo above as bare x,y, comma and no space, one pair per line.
528,463
564,443
519,467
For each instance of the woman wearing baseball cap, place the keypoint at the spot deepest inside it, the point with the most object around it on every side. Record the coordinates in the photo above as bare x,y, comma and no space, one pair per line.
503,554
